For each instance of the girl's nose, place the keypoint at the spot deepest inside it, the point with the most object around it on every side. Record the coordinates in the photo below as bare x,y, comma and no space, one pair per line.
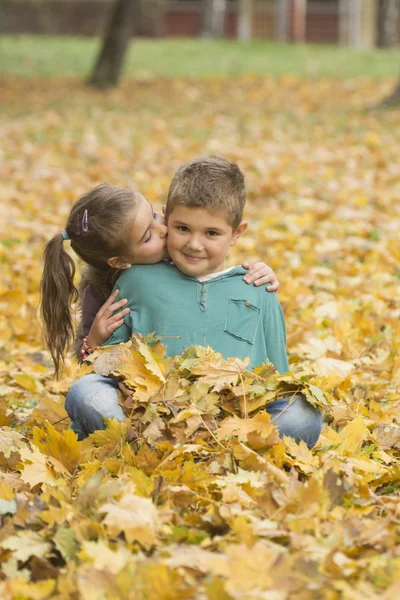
162,230
159,218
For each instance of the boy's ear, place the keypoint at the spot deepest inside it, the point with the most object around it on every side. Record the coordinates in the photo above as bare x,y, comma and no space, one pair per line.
117,262
164,210
241,228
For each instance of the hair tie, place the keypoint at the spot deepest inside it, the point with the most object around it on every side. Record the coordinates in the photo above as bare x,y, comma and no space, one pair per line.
65,235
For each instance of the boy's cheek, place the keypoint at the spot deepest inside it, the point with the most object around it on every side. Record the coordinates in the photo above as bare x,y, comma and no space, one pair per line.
169,246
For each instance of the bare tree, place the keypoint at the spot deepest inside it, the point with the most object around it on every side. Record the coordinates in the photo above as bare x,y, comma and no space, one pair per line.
393,99
120,29
388,23
214,12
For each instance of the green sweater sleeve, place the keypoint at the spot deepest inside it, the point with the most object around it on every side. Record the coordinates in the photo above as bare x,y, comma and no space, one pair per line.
275,333
121,334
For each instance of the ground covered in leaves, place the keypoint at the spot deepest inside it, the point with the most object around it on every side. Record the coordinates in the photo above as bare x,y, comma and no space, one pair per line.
195,496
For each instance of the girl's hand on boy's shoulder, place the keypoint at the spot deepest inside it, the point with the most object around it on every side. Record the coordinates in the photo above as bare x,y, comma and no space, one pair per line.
105,321
261,274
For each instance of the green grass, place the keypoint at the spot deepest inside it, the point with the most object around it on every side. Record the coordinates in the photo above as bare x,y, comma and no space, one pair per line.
51,56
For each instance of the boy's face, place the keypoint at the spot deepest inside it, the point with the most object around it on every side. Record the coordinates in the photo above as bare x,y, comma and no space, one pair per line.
199,240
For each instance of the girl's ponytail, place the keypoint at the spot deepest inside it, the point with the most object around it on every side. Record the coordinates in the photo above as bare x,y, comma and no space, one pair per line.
58,293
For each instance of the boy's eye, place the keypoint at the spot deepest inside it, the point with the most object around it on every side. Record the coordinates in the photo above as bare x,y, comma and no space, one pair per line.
212,233
182,228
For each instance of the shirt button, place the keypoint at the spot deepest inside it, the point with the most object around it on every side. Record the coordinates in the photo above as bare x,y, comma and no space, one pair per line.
204,291
247,303
202,301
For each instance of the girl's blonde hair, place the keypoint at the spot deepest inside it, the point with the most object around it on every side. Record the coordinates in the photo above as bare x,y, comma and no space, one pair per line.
97,228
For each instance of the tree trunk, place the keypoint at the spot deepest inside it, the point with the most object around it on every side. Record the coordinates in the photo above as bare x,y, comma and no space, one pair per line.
393,99
244,20
120,28
389,14
299,18
214,12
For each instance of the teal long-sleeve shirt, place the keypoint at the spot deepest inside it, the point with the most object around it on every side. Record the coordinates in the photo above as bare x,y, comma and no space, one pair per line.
224,312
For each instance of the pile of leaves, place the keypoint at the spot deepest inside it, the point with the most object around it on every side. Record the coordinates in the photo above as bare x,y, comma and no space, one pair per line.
195,495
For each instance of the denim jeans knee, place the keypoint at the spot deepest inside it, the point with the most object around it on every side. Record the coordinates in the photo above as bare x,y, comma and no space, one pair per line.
92,399
296,418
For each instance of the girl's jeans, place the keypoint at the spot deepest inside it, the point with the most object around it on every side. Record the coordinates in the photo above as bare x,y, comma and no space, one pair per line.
94,398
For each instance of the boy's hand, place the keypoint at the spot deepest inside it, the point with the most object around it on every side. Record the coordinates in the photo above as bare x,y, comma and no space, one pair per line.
261,274
105,322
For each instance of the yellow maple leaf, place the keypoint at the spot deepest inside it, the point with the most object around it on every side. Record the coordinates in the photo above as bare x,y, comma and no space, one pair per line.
257,431
62,446
34,468
133,515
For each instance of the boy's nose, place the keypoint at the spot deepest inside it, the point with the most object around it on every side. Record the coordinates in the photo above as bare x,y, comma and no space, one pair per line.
195,244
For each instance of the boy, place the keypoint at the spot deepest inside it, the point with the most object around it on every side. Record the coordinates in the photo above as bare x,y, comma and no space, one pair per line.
197,301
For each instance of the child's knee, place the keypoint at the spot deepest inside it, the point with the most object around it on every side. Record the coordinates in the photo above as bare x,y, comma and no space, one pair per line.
79,392
93,395
297,419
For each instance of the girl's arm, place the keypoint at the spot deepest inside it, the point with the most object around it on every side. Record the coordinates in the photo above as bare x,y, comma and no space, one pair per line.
261,274
95,325
105,322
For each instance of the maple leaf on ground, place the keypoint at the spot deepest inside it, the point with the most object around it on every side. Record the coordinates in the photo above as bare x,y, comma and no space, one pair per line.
258,432
26,544
100,555
18,588
134,364
62,446
10,441
212,368
133,515
35,468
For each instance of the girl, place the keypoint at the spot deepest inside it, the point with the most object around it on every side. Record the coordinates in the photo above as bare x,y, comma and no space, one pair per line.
106,228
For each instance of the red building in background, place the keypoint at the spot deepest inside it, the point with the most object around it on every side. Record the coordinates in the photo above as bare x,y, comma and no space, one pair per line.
350,22
183,18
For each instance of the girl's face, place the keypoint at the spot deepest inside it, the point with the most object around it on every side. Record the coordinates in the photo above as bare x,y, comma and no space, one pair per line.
147,233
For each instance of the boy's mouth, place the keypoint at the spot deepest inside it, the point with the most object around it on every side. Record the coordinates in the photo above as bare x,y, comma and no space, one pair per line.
193,259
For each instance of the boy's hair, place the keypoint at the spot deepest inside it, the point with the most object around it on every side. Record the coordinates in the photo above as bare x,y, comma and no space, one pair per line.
210,182
95,226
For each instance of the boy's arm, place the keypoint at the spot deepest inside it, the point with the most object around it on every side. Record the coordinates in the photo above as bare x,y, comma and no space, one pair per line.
275,333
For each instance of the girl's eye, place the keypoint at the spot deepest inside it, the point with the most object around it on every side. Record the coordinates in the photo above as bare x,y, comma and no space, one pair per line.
149,237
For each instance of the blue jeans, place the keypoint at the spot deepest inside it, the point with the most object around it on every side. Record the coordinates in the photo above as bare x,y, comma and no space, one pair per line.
93,398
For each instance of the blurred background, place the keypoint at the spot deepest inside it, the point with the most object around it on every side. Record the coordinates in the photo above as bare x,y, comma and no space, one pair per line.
170,28
356,23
